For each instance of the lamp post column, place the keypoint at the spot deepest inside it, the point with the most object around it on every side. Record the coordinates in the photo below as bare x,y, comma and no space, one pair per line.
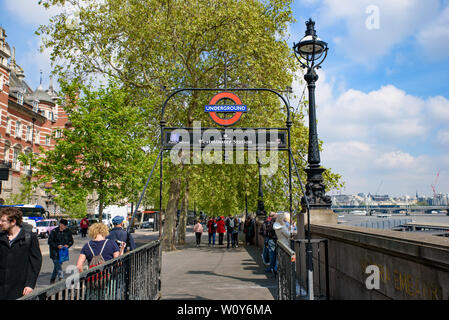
260,204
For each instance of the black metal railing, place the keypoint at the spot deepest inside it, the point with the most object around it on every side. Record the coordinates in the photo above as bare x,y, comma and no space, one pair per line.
292,274
286,272
133,276
320,269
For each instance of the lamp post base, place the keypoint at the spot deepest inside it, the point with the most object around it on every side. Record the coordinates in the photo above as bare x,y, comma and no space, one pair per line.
315,189
317,216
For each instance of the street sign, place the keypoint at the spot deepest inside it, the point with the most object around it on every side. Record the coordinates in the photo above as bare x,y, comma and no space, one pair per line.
212,108
237,138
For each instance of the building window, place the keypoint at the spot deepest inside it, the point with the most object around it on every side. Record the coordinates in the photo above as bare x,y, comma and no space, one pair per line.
6,153
18,129
20,98
47,140
35,106
15,160
58,133
28,134
1,82
37,137
8,125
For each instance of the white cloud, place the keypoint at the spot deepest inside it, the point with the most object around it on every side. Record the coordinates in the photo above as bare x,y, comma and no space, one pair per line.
395,21
439,109
29,11
381,136
443,137
387,113
434,39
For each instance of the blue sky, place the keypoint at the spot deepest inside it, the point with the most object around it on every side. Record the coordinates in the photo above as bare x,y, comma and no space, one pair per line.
383,92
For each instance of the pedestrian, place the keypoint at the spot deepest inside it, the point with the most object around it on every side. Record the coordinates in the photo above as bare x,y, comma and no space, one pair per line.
221,229
272,244
249,230
264,234
235,233
98,251
84,225
119,235
60,240
211,229
99,245
20,256
198,229
229,229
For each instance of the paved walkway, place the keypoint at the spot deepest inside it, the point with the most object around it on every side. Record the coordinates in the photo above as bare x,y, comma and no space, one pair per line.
215,273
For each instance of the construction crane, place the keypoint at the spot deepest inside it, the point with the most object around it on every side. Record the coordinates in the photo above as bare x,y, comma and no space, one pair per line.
435,184
377,191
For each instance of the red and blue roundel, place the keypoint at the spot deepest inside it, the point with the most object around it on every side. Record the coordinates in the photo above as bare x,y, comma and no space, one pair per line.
236,108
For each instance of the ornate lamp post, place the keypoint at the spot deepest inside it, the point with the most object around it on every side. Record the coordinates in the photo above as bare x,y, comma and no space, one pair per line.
311,52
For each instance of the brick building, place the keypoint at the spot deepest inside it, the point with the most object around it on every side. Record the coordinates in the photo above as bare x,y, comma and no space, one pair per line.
28,119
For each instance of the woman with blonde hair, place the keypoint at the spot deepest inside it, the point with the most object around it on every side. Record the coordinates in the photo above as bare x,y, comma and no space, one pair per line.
99,246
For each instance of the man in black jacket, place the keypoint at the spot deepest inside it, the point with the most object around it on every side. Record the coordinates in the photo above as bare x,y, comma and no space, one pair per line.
20,256
59,237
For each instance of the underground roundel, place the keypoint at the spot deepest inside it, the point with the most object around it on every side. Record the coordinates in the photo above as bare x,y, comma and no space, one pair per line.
238,108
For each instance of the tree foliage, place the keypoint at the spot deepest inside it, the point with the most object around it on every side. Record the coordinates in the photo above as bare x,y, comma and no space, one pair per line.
154,46
100,153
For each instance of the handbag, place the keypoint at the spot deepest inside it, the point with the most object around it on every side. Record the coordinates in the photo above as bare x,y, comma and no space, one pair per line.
63,254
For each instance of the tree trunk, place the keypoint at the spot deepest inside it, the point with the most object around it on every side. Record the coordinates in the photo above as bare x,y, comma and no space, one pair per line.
183,217
168,242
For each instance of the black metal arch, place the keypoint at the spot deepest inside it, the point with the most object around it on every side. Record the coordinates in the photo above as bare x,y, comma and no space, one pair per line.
287,106
160,155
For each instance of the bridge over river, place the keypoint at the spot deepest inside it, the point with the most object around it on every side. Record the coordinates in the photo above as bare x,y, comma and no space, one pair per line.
391,209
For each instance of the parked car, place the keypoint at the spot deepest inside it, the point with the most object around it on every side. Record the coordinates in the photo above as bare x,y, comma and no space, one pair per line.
74,226
147,225
44,227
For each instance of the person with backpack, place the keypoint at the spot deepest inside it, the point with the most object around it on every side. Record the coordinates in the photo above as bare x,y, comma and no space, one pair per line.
119,235
98,250
84,225
229,229
20,256
59,241
212,229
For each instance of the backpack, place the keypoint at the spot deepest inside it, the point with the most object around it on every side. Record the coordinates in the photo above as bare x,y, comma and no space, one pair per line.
97,259
270,231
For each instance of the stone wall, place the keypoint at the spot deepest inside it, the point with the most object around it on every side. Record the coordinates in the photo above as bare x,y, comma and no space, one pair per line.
411,266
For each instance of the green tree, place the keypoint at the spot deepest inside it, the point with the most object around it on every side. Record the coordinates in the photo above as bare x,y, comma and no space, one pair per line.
101,154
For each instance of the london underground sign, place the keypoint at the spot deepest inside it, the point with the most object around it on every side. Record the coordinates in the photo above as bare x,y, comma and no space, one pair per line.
238,108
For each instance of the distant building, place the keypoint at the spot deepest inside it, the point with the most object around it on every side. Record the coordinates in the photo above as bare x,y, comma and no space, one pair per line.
28,120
